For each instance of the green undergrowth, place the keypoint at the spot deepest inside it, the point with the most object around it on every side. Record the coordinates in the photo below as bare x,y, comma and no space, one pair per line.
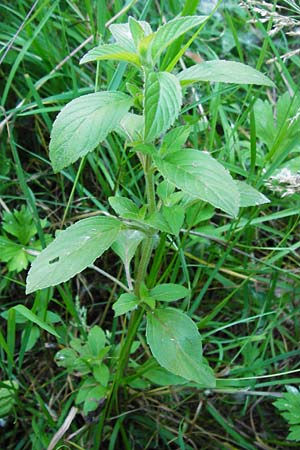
62,347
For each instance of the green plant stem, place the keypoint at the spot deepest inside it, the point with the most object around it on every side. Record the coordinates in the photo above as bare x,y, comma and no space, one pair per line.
137,315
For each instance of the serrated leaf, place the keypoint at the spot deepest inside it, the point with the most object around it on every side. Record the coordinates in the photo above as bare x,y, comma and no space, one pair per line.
125,303
168,33
249,196
19,224
83,123
110,51
8,249
19,261
289,406
224,72
72,251
168,292
162,102
294,434
175,343
201,176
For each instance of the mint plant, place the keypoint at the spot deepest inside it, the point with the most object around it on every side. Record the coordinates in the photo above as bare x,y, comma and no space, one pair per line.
176,178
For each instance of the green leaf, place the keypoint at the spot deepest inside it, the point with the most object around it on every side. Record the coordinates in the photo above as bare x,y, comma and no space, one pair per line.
131,127
169,292
264,122
201,176
175,342
136,30
198,212
83,123
223,71
174,216
249,196
168,33
93,398
101,374
72,251
126,244
289,407
33,337
125,303
19,224
7,396
162,377
96,340
175,139
110,51
8,249
123,36
121,33
166,191
124,207
162,102
157,220
19,261
29,315
67,358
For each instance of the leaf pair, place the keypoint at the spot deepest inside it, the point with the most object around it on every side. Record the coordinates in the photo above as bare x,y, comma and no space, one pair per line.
201,176
137,44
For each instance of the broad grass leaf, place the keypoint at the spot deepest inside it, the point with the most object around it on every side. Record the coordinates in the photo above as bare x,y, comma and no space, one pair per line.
175,343
169,32
110,51
83,123
29,315
162,102
72,251
201,176
223,71
249,196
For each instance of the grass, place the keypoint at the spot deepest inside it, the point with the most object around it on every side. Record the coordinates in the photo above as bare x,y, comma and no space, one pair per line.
244,274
